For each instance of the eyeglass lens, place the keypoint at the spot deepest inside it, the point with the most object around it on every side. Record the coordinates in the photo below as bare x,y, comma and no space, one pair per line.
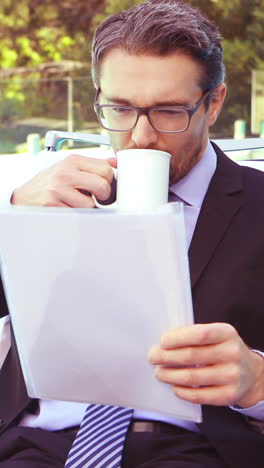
163,119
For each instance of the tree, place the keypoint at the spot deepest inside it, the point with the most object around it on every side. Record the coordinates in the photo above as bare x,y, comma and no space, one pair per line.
35,31
34,34
241,23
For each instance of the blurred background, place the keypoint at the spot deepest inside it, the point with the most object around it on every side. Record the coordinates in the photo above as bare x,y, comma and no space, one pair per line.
45,81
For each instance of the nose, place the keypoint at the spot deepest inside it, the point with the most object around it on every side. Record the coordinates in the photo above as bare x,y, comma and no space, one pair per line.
144,135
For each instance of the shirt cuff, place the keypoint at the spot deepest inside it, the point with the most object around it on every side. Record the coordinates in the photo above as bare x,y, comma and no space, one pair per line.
256,411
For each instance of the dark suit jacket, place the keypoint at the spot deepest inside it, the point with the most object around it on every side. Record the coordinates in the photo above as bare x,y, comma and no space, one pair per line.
227,272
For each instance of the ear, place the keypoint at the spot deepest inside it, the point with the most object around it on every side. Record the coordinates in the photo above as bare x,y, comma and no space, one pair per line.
216,103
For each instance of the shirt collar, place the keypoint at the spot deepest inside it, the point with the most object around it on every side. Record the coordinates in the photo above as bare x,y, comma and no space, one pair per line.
193,187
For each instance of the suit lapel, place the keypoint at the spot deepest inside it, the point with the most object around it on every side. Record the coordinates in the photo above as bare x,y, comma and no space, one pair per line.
222,201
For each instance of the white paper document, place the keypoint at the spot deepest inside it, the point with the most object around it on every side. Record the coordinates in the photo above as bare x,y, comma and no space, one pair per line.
89,292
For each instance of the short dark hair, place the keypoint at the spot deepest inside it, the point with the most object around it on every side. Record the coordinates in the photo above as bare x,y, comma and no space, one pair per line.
160,27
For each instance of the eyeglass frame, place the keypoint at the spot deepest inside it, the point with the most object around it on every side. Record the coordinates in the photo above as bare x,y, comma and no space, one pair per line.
146,110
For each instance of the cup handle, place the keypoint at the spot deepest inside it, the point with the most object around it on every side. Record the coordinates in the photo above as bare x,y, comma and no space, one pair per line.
112,205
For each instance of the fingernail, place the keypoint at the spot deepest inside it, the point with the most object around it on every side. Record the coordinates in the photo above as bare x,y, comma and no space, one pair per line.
151,355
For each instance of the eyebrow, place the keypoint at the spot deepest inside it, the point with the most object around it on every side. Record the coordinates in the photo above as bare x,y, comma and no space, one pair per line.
126,102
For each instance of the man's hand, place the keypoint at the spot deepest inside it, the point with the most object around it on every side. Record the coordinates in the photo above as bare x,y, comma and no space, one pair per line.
209,364
65,183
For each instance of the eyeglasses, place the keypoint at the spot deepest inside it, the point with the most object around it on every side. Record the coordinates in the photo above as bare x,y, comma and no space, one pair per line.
166,119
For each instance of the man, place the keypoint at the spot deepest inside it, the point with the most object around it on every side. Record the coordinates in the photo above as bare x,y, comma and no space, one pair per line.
160,66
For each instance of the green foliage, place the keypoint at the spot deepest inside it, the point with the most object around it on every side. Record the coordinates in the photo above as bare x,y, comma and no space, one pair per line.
8,57
241,23
37,31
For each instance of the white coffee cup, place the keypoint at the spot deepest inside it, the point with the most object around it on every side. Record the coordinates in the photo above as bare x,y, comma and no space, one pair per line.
142,180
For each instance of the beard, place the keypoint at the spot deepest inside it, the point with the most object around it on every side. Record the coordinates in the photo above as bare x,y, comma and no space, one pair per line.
181,165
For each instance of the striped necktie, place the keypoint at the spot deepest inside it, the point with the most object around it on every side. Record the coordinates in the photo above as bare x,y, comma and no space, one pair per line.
100,439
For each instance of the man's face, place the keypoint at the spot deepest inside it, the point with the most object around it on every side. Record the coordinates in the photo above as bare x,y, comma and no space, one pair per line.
151,80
